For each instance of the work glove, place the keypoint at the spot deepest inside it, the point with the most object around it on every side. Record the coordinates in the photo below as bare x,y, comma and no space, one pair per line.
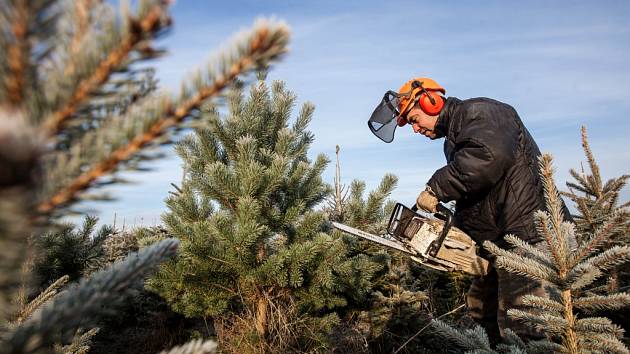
427,201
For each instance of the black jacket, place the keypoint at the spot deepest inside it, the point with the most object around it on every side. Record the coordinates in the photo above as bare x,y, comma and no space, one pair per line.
491,171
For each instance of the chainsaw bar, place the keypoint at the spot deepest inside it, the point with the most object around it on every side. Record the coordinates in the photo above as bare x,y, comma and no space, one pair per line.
430,262
399,246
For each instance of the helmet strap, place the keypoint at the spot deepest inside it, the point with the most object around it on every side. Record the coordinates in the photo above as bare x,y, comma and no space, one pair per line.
418,84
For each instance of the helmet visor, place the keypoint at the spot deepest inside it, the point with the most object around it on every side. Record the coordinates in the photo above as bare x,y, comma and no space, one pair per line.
383,121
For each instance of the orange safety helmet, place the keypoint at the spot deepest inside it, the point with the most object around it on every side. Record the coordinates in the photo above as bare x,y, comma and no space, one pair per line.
419,90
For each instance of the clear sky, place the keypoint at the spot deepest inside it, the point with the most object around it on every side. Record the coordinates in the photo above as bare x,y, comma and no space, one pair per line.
561,64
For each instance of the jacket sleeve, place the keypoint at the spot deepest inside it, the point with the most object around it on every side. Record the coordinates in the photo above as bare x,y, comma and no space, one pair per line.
484,149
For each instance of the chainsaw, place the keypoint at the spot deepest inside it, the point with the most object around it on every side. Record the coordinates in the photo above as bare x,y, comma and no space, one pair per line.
432,242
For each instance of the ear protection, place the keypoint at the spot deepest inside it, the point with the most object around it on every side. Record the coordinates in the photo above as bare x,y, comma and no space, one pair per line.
429,103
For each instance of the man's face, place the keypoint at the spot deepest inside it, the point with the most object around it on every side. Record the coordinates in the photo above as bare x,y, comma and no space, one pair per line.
422,123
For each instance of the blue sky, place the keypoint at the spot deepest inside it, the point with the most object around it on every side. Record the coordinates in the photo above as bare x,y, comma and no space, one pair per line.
561,64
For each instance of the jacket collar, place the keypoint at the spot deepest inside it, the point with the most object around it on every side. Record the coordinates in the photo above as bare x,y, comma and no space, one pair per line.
445,120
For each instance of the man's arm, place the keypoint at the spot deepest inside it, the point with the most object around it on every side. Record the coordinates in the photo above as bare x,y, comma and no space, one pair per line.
484,150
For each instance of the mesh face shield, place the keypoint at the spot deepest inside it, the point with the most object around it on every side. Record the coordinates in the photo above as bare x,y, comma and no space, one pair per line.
383,121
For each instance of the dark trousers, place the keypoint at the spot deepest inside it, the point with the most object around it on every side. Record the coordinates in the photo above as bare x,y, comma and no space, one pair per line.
492,295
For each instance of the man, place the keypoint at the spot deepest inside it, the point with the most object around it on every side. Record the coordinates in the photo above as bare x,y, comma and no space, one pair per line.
491,173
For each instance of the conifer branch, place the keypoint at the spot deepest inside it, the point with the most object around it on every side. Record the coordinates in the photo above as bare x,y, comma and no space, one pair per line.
554,206
597,179
586,214
602,302
337,205
531,250
265,44
579,278
541,220
18,54
427,326
601,236
521,265
81,18
583,186
543,346
80,342
600,325
81,304
139,29
510,339
545,322
543,303
603,343
608,259
471,339
82,13
41,299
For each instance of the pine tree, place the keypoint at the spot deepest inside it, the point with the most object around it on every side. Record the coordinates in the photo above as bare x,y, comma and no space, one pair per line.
65,250
256,255
74,108
568,272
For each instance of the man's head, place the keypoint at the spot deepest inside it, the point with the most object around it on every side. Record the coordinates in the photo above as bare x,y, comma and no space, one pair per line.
419,99
421,106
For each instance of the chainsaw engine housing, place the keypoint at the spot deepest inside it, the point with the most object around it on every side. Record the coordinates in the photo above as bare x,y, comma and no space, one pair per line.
434,242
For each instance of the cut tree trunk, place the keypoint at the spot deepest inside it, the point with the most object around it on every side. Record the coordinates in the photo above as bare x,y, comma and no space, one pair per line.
261,316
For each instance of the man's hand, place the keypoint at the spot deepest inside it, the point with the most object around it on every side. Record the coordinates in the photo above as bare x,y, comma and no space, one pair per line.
427,201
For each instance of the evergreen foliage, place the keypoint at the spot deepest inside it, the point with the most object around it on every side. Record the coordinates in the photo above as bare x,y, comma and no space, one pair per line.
80,344
370,215
475,340
569,273
406,296
59,320
74,108
67,251
597,204
27,309
255,253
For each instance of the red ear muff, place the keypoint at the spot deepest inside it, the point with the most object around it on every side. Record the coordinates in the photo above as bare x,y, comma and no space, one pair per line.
428,107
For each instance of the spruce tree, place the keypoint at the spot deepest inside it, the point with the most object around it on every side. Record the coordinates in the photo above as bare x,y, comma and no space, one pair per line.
569,273
256,255
597,204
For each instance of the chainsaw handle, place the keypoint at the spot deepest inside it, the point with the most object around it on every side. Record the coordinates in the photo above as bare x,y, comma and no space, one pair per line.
445,214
